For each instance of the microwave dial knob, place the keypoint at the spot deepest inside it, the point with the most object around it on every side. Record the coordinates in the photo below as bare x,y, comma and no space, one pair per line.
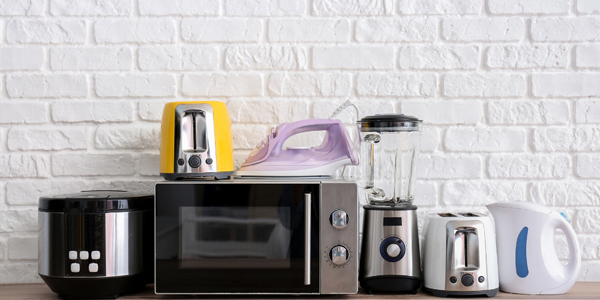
339,219
338,255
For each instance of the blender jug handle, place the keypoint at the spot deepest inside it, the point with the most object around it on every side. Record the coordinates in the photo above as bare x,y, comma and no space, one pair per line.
368,158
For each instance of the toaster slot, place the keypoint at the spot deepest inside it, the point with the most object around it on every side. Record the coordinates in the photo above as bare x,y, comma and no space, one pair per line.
469,215
447,215
193,131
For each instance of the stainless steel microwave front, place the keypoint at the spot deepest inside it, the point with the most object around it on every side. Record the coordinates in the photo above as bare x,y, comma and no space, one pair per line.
256,237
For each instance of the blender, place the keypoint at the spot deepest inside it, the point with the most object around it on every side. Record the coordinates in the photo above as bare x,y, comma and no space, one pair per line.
390,257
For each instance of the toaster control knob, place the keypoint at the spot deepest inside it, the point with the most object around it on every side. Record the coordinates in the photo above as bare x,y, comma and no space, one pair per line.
338,255
467,280
339,219
195,162
392,249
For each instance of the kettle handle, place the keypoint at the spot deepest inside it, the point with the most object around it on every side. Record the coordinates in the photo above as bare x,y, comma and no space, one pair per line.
574,251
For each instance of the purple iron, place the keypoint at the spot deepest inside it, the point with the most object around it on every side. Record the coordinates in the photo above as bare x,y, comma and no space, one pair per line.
270,159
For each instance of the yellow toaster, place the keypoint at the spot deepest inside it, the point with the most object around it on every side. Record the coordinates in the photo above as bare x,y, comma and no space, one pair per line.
196,140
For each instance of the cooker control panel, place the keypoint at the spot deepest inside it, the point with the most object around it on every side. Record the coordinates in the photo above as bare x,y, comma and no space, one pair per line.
84,244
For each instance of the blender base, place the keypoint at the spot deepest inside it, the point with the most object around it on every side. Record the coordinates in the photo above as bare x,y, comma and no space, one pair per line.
391,284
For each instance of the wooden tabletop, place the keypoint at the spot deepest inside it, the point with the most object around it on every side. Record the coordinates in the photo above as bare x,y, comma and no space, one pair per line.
581,290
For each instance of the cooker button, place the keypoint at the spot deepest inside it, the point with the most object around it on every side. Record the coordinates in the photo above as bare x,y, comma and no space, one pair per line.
84,255
72,255
95,254
194,162
209,161
453,279
481,279
181,161
93,268
75,268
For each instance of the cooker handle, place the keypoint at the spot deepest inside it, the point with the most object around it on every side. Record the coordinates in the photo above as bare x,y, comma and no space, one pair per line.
307,208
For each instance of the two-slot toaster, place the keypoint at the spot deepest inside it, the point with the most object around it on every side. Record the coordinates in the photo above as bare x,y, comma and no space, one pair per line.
459,255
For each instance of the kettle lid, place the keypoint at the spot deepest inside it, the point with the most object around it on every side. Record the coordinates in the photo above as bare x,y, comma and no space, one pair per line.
534,207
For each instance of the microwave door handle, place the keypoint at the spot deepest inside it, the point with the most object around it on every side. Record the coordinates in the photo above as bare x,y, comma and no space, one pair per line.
307,208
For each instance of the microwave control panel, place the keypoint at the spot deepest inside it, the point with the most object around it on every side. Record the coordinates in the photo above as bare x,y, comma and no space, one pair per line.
339,237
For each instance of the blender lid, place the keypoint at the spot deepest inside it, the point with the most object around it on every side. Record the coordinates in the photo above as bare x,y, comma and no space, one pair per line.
96,201
390,122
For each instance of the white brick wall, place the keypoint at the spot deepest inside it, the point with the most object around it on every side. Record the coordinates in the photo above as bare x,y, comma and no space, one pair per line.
509,91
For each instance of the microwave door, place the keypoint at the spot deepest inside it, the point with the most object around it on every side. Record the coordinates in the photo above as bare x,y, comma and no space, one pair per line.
237,238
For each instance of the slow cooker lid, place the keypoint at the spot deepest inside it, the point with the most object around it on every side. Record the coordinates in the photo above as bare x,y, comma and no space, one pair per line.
96,201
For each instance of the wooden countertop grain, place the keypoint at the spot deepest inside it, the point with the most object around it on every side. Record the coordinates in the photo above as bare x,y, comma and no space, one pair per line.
581,290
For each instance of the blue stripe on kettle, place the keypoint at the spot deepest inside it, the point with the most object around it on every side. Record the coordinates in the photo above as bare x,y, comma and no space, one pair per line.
521,253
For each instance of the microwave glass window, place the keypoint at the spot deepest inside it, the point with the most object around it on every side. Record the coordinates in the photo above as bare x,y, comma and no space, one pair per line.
235,237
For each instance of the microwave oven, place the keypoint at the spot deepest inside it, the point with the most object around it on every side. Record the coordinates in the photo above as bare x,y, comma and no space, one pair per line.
256,237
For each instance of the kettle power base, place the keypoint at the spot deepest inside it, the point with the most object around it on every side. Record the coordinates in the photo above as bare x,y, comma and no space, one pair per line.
443,294
391,284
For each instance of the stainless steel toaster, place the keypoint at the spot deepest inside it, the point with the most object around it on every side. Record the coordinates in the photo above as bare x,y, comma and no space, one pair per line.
459,255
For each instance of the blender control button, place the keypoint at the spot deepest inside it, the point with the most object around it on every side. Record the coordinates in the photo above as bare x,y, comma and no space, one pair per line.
393,250
467,280
481,279
95,254
339,219
84,255
181,161
75,268
209,161
453,279
93,268
72,255
195,162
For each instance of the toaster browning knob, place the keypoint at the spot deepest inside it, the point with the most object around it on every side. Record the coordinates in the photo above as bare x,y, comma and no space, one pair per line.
195,162
338,255
467,280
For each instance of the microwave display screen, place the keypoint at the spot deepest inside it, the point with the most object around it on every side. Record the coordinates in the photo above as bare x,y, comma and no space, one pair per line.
235,237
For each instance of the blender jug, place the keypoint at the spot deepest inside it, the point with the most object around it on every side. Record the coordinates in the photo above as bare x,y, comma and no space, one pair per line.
389,151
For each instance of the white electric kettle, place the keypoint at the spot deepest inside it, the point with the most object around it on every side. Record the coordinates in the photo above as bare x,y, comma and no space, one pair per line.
527,260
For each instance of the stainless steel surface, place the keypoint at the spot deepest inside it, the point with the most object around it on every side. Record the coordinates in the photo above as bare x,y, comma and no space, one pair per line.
338,255
122,232
372,264
339,279
466,254
339,219
196,137
307,209
123,242
51,244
